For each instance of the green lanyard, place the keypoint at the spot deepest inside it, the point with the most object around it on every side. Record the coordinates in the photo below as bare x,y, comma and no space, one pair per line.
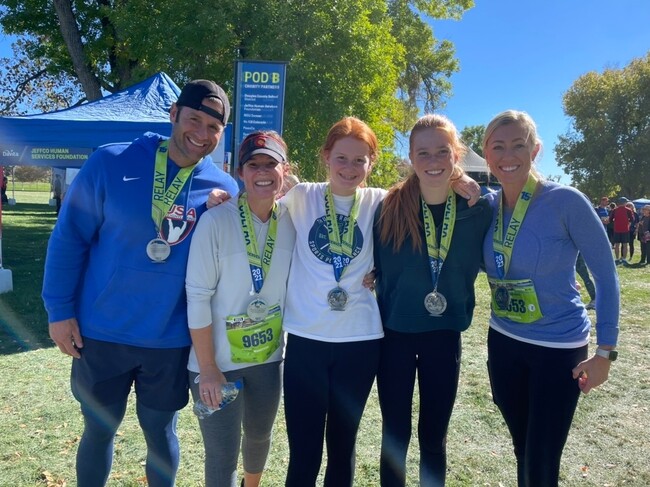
503,244
438,253
340,245
163,197
259,264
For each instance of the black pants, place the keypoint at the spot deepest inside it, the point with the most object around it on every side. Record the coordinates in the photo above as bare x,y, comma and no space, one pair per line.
326,386
534,388
645,252
435,356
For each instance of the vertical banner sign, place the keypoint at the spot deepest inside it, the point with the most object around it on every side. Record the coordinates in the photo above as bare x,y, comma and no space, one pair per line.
259,99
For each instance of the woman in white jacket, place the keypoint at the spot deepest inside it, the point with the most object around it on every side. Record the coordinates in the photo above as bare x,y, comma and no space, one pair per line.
236,284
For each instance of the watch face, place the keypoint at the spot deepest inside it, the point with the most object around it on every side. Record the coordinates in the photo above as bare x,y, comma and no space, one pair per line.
613,355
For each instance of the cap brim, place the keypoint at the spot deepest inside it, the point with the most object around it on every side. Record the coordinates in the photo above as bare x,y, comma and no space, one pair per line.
269,152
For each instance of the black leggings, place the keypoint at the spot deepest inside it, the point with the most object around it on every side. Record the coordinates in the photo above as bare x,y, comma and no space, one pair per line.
326,386
645,252
435,356
534,388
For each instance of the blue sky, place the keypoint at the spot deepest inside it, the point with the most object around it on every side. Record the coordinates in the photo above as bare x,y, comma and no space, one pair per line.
524,54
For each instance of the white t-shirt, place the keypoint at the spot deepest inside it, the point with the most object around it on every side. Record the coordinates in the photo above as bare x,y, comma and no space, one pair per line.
307,312
218,281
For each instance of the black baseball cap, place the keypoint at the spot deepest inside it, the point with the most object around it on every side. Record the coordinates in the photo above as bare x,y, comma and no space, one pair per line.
261,143
194,92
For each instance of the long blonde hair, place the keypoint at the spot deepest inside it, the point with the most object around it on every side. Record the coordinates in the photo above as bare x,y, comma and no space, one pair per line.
400,214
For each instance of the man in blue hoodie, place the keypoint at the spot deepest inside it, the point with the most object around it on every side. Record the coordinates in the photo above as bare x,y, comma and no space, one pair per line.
114,285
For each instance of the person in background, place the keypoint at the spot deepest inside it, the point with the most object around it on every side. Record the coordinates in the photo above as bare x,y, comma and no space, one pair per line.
57,189
114,284
539,330
424,305
236,284
610,225
622,218
633,224
3,190
583,272
602,210
643,232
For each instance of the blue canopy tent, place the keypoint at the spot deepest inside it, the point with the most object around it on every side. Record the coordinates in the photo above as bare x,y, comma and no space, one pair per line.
66,138
640,203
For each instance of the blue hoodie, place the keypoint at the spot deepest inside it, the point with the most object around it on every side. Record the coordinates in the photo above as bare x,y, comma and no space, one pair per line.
97,269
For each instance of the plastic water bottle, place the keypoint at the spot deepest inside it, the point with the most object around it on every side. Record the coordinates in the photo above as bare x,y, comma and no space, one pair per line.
229,392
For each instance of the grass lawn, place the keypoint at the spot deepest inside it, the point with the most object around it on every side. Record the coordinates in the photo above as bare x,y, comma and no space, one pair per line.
40,424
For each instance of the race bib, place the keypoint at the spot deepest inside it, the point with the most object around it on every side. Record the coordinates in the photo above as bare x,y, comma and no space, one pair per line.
254,341
515,300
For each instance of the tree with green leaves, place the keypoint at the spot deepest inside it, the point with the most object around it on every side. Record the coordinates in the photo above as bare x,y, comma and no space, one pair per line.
472,136
607,149
374,59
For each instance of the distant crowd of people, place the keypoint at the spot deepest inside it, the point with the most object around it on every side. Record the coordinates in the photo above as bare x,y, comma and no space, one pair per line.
625,225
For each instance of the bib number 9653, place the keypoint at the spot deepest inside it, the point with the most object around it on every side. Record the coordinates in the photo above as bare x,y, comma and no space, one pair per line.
257,339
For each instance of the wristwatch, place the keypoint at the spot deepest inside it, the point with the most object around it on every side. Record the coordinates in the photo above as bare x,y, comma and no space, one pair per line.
610,355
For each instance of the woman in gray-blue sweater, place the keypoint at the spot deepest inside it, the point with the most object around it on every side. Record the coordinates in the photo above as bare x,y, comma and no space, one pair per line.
428,249
538,357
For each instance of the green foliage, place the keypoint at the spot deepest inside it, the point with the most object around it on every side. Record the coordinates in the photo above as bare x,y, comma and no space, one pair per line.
472,135
32,173
606,150
425,57
374,59
385,172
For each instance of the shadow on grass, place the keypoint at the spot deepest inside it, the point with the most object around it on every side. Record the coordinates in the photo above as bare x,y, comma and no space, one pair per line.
15,339
23,321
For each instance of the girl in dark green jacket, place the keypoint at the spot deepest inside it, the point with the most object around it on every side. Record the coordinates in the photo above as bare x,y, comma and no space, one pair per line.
428,249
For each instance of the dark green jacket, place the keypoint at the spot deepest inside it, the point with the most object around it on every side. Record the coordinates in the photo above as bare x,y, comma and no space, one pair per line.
403,279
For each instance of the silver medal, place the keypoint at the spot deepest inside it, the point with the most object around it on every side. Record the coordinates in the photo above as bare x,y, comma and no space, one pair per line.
502,297
337,298
158,250
435,303
257,309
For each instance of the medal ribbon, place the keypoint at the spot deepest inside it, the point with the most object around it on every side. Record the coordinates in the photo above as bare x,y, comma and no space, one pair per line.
163,197
438,253
340,244
259,264
503,244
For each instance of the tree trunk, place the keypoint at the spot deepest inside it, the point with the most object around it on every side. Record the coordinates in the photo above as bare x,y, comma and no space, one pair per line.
72,38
